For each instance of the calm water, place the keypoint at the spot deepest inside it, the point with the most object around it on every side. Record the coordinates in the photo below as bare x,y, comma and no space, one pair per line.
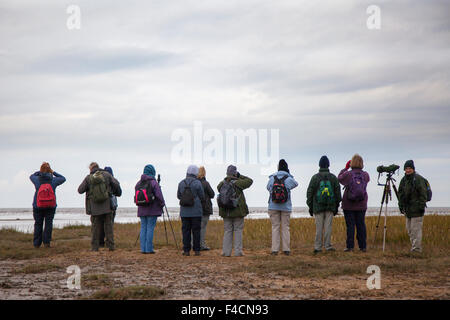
22,219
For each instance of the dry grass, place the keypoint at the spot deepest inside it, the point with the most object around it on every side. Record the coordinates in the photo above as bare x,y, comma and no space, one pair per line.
125,293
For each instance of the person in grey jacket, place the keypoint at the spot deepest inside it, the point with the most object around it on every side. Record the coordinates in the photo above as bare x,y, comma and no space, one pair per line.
191,215
100,211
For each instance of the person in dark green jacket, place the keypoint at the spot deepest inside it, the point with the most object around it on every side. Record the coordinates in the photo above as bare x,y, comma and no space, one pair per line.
233,219
323,199
412,198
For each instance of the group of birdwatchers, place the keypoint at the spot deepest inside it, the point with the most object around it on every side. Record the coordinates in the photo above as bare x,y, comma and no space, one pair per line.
195,194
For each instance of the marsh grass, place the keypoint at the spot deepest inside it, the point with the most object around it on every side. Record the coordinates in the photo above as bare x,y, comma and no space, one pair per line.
126,293
38,268
96,281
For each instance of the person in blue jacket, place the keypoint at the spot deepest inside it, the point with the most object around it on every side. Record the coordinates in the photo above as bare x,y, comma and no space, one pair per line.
44,205
191,215
280,208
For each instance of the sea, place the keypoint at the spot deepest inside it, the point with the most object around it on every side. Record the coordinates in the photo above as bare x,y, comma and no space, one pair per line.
22,219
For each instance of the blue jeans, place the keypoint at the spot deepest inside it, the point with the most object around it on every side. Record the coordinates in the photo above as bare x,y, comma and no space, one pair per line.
43,219
147,227
355,219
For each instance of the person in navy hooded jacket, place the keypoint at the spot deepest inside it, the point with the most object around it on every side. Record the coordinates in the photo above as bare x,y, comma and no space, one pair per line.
149,214
44,203
280,209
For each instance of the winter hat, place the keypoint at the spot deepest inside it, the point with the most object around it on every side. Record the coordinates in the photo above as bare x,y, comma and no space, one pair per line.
192,169
109,170
231,171
409,164
324,162
283,166
149,170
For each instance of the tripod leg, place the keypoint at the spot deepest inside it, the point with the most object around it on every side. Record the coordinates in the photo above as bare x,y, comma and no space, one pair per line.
385,226
379,214
170,223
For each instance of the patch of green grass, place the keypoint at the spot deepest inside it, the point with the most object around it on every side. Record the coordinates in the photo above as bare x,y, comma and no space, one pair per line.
38,268
128,293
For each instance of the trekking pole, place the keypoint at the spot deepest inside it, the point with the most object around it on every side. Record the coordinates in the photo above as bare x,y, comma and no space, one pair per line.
165,229
139,234
168,218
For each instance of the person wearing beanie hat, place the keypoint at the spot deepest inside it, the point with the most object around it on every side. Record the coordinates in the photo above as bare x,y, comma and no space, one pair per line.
323,199
113,207
280,206
43,215
98,204
412,198
233,218
148,214
191,195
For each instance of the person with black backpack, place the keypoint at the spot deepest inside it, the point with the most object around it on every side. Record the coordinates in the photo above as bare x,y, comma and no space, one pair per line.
191,195
150,202
323,199
233,208
44,203
99,185
280,206
413,194
354,201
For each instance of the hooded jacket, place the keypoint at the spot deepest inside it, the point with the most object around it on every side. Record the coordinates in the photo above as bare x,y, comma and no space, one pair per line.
38,178
412,195
199,196
93,208
241,210
156,208
290,184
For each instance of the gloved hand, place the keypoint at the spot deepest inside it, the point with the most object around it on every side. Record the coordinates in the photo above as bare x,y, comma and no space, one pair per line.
347,166
238,175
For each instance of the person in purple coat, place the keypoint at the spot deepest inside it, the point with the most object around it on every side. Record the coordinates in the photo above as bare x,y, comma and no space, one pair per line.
354,201
149,214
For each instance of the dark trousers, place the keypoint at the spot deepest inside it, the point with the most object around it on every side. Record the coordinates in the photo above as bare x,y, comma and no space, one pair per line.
99,222
43,225
191,226
102,236
355,219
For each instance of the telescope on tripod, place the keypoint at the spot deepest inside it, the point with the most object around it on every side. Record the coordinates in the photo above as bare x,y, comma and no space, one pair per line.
387,195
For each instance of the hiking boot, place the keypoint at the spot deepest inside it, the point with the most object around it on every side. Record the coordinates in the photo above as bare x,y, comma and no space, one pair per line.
331,249
197,253
316,251
239,254
363,250
286,253
152,252
101,245
186,253
47,245
111,249
348,249
274,253
94,249
225,255
205,249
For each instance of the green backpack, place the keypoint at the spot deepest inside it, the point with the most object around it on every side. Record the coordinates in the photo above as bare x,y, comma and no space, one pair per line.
98,191
325,193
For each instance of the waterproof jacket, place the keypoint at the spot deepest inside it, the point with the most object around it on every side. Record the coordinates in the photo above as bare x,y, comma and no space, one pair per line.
209,194
412,195
199,196
155,208
241,210
93,208
290,184
311,194
345,178
38,178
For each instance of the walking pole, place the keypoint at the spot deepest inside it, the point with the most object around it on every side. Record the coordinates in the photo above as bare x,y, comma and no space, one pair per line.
137,239
165,229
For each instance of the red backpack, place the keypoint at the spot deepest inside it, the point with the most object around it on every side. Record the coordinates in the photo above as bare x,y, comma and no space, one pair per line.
46,196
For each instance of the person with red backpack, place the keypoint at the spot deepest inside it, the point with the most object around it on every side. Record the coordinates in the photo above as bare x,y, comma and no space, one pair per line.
280,206
44,203
354,201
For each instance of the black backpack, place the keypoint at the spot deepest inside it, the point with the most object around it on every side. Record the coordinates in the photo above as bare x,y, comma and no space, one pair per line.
187,197
227,197
144,194
280,193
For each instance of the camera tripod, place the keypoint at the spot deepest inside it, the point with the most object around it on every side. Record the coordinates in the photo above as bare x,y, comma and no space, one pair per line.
387,195
164,221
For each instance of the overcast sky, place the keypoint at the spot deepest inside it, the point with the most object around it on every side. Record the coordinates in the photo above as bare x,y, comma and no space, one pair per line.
115,90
